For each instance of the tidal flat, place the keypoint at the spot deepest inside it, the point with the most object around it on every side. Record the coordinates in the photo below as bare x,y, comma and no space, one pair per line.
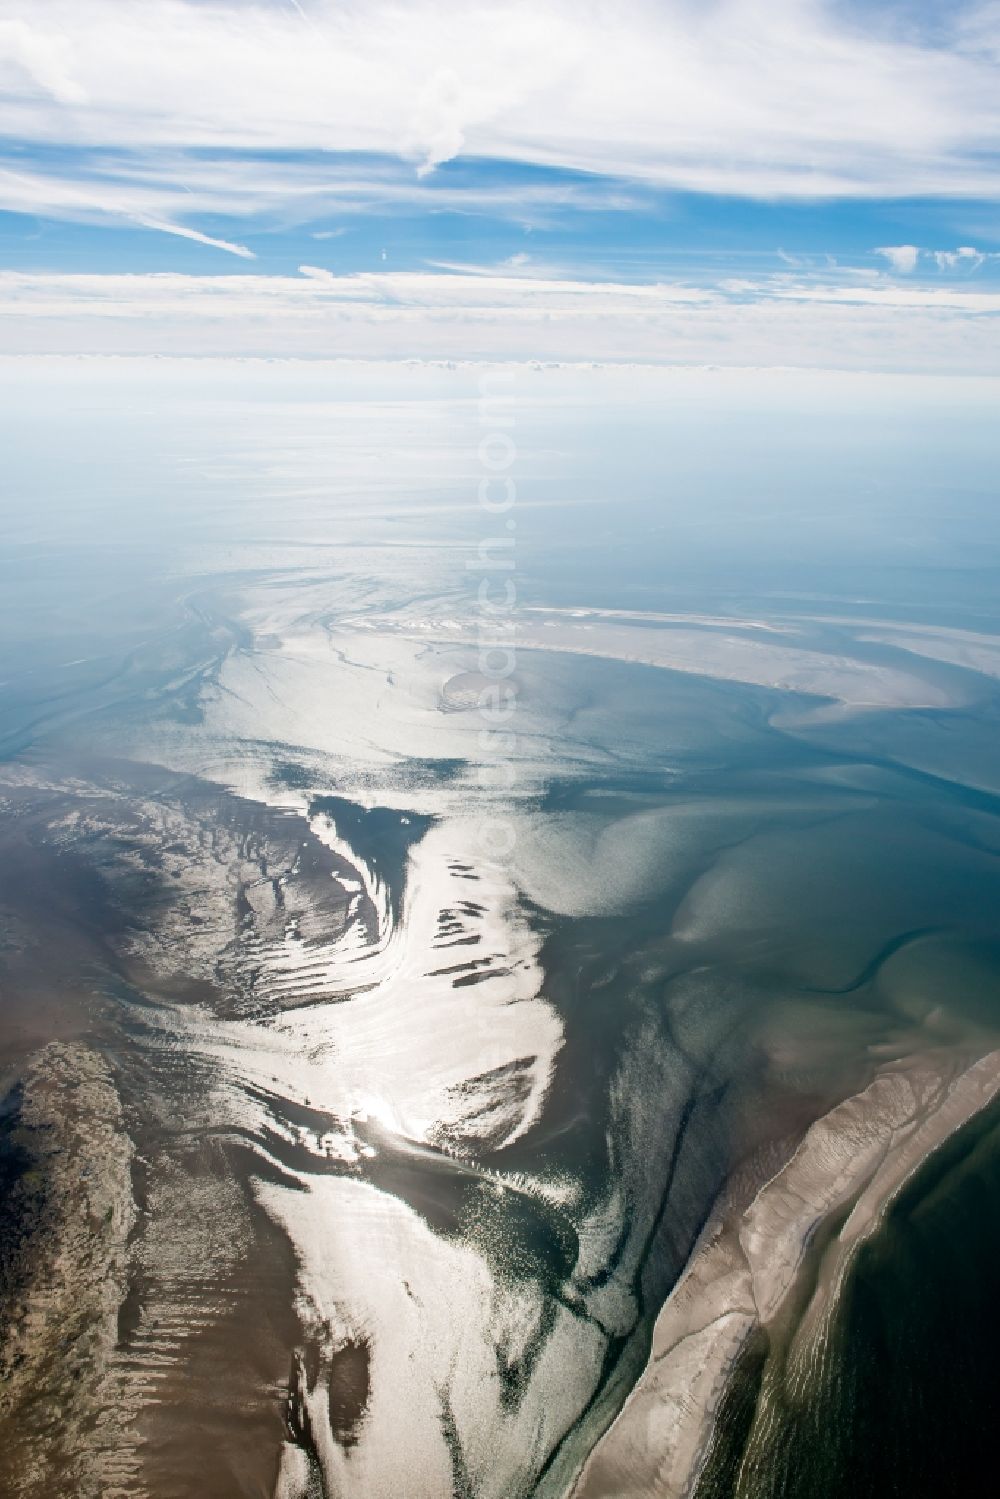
349,1150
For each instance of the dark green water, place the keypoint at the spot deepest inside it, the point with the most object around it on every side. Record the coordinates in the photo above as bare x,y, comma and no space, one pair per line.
905,1397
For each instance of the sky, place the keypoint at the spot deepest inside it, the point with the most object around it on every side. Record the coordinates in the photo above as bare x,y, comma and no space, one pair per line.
757,183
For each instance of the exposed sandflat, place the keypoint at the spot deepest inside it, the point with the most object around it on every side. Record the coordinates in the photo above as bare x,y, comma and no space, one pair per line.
862,1152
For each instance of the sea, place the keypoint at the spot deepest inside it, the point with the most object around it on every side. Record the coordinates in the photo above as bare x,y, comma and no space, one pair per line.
459,828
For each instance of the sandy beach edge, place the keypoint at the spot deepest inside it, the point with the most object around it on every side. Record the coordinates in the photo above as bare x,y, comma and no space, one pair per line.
852,1163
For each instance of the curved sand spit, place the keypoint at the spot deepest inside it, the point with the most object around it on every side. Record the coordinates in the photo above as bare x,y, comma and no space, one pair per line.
854,1160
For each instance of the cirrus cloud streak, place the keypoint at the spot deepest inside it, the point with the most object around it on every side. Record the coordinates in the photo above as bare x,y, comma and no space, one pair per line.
793,99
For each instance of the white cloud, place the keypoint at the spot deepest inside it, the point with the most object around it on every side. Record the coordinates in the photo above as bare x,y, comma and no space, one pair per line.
965,256
964,302
437,129
202,239
88,201
41,58
790,99
782,321
171,188
902,258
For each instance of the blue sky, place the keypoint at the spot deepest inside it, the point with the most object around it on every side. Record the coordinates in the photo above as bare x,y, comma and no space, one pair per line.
794,182
572,222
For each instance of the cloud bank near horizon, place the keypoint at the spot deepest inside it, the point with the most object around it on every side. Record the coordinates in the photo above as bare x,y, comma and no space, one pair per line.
786,320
